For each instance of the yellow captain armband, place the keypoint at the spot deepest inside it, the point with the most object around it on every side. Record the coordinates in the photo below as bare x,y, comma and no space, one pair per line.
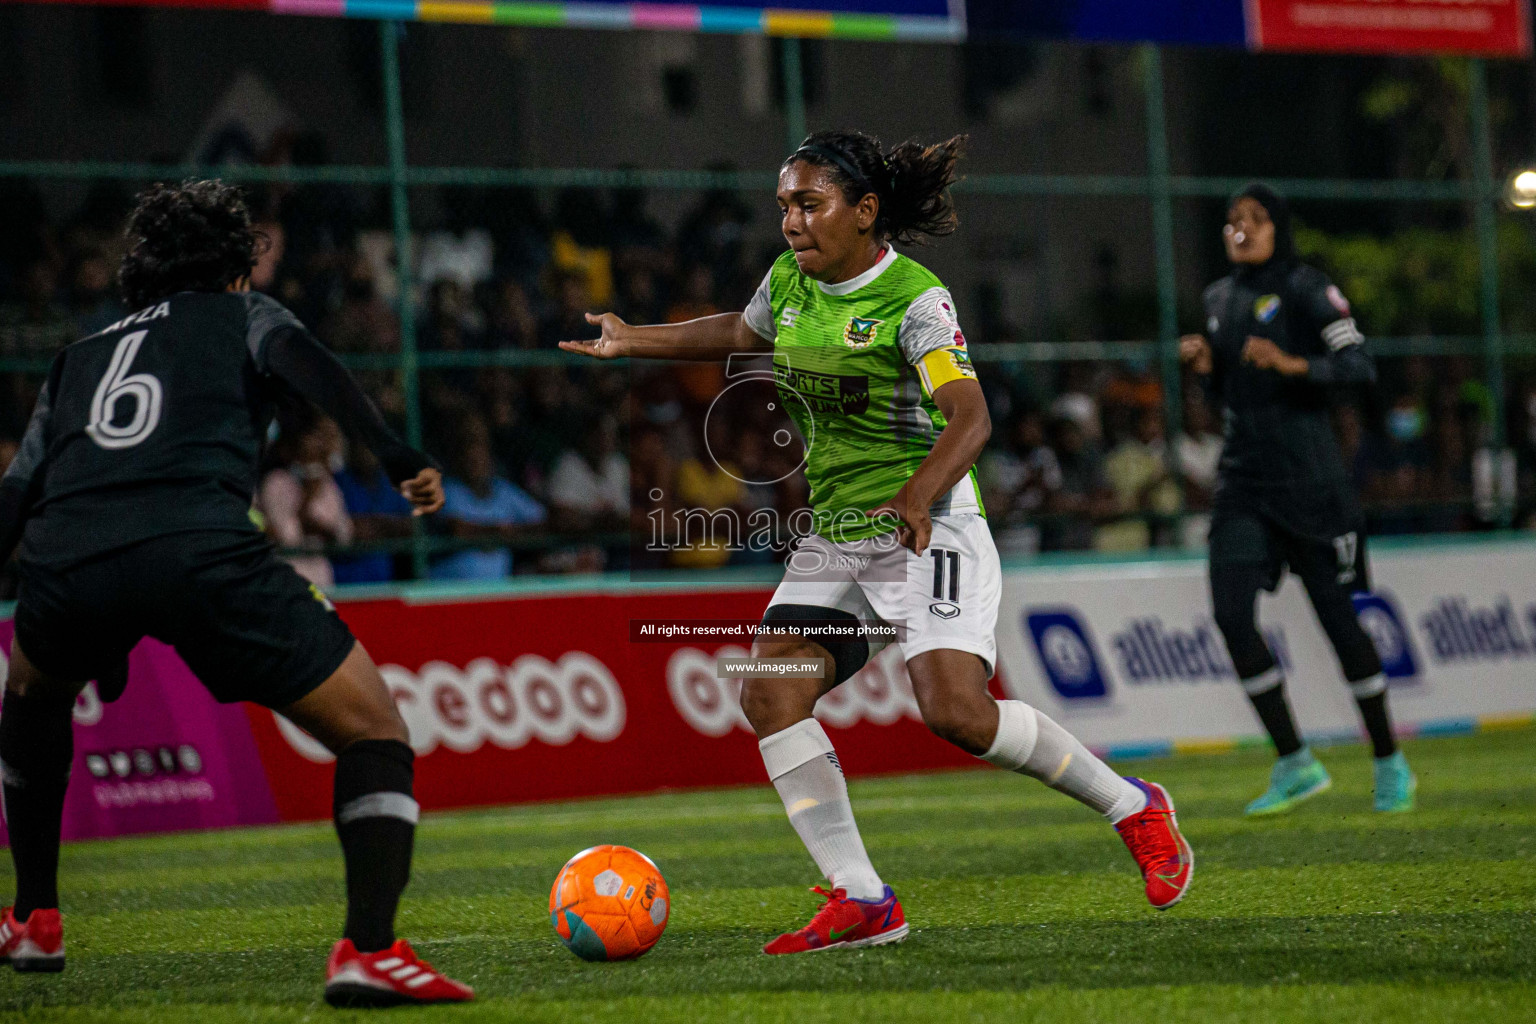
943,365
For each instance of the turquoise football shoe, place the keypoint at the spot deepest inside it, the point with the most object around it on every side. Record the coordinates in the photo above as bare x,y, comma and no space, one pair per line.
1396,786
1294,778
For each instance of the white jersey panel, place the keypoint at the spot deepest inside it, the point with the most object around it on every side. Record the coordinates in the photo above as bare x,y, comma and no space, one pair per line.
759,312
930,324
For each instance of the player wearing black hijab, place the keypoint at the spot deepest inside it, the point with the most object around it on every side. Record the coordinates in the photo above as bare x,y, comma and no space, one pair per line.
1279,341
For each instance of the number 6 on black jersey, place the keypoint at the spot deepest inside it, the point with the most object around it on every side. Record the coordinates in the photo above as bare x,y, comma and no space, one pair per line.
115,385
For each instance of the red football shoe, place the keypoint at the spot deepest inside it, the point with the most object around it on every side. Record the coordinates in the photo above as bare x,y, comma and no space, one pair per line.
389,977
843,923
1167,863
37,945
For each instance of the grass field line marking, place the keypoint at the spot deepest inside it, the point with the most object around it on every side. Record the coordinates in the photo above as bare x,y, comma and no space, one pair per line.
955,790
1009,795
467,937
1223,1003
1048,811
1014,900
1430,827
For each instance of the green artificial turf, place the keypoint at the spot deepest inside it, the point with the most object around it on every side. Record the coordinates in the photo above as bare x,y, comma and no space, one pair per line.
1024,906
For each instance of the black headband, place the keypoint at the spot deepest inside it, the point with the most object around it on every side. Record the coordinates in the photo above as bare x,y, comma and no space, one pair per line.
854,174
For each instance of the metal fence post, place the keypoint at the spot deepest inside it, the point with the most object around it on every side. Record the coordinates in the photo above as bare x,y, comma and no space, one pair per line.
794,93
399,196
1485,223
1159,189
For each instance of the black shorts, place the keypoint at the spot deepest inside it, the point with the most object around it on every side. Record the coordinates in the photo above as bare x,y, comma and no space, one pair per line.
247,625
1242,537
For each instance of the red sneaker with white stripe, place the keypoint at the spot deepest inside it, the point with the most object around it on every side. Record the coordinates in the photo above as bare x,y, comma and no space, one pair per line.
37,945
389,977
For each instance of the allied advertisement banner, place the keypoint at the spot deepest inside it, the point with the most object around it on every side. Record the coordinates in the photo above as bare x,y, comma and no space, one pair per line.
1494,28
1129,657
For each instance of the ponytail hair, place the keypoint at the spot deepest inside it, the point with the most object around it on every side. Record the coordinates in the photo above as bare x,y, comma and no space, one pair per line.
911,181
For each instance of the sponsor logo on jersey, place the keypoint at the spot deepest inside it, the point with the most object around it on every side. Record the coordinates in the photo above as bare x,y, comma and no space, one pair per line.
962,363
959,341
944,610
1265,307
1380,619
847,395
1066,654
1337,299
789,316
860,332
946,311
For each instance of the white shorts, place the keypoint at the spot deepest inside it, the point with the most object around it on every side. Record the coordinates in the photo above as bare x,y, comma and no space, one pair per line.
944,599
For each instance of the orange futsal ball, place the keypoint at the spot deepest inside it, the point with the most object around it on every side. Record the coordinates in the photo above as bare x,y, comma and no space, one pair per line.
609,903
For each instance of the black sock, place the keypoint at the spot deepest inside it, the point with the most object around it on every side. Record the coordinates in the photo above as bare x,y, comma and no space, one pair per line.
376,822
1378,723
1275,712
37,745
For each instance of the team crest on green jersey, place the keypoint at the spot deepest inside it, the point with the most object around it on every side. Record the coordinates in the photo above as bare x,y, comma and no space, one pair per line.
860,332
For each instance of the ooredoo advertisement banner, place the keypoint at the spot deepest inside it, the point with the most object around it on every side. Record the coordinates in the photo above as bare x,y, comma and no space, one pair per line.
1495,28
547,698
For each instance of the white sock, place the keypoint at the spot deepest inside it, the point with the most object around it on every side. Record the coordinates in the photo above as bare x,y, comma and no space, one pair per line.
1031,744
804,769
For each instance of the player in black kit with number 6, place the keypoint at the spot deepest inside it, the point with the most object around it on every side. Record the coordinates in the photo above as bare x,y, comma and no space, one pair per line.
1280,339
130,500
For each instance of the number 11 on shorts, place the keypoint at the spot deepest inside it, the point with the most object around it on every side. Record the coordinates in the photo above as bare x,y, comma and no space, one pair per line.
938,573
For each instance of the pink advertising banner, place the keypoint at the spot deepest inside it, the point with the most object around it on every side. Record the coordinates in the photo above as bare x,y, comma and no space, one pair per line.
167,757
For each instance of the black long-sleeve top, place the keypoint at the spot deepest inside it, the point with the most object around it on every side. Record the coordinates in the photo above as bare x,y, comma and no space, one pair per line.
1281,456
154,426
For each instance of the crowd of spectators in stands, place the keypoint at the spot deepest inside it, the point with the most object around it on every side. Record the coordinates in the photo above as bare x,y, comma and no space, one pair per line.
1089,467
556,465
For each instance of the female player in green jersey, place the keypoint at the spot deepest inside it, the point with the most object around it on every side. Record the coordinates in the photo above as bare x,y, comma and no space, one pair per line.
870,361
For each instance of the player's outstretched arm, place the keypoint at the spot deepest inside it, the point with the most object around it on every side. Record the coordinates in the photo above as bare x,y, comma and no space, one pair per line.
297,357
709,338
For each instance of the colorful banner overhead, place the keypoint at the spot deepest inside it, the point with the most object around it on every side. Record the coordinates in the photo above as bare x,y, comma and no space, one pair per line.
914,20
1491,28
